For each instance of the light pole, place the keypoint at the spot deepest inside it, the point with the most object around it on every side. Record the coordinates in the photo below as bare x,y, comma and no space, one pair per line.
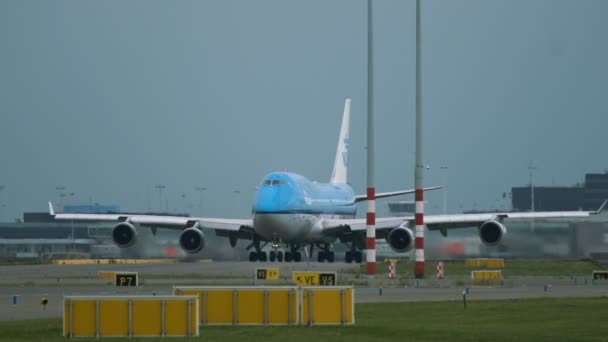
531,169
237,200
2,205
60,189
72,203
160,188
200,202
445,187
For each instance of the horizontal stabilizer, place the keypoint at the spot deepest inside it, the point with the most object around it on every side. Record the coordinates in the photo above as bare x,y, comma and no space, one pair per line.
360,198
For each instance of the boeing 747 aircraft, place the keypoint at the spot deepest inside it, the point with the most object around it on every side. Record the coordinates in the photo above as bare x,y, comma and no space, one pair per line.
293,213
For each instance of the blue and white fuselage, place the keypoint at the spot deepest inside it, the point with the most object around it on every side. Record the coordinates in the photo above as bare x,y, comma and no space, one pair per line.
290,207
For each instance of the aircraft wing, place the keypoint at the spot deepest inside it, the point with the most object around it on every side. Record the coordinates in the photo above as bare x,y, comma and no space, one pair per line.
360,198
445,222
338,227
156,221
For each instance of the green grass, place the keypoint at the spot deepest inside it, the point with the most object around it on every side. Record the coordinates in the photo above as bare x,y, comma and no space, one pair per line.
521,320
555,268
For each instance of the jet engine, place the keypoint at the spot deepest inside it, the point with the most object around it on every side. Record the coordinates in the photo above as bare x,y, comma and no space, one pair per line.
192,240
400,239
491,232
124,234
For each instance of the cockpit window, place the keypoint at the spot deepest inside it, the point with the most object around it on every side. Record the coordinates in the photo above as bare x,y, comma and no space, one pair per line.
272,182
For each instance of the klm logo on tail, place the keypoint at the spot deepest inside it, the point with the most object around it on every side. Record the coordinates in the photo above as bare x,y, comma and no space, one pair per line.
345,152
339,174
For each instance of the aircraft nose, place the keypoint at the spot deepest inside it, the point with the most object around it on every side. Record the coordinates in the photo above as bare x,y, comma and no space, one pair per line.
272,199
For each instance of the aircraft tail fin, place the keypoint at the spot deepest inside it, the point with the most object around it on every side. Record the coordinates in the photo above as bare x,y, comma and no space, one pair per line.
339,173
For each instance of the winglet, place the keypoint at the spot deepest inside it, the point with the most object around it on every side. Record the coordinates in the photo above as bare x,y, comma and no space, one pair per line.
602,207
51,210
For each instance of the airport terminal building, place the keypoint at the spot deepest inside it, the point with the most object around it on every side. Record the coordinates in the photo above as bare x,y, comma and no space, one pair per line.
587,196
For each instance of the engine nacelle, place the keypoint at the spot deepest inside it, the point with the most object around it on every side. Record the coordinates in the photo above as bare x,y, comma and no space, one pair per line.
400,239
491,232
124,235
192,240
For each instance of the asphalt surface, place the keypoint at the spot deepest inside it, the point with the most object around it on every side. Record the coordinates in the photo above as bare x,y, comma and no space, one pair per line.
29,284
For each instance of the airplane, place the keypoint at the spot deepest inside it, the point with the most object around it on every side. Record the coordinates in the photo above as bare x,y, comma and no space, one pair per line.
292,212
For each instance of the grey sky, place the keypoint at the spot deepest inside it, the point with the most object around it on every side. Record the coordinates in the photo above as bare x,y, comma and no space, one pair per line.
110,98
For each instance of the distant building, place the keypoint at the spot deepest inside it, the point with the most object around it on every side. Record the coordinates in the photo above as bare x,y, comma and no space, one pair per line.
557,198
547,198
402,208
92,209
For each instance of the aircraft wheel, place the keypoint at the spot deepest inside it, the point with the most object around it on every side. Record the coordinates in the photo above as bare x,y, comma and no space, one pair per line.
280,256
358,257
288,257
348,258
331,256
253,256
321,256
272,256
262,256
297,256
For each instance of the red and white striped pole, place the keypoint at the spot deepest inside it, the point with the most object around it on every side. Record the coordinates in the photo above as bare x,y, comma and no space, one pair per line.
419,172
370,241
419,241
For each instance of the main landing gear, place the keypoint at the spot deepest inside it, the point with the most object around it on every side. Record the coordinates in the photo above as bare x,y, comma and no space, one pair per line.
325,254
355,256
274,255
257,254
293,254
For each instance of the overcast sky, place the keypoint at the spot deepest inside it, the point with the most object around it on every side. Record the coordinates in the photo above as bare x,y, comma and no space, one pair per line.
111,98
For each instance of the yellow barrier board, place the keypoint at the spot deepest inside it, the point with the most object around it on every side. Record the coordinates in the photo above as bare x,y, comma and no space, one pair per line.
318,305
106,275
267,274
130,316
116,261
248,306
219,307
327,305
276,305
282,306
114,317
486,275
314,278
485,263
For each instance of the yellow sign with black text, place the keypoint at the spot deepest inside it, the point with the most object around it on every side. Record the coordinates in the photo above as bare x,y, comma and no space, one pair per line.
314,278
267,274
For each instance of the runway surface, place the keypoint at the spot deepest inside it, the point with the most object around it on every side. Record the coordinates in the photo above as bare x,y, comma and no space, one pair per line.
30,283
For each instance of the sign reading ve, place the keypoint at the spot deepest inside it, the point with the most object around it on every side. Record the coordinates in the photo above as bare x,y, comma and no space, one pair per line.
314,278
